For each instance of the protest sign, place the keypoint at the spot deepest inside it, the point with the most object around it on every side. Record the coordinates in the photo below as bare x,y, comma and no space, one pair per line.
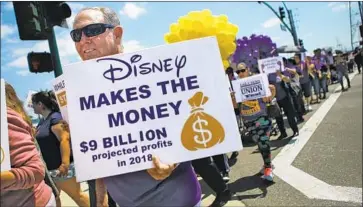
271,65
4,147
170,101
59,89
251,88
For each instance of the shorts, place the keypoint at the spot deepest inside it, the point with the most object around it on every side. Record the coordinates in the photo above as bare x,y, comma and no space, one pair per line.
306,89
71,174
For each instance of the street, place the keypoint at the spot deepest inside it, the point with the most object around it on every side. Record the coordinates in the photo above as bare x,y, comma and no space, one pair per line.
321,167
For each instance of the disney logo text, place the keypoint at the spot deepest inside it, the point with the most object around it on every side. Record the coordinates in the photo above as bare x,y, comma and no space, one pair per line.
124,69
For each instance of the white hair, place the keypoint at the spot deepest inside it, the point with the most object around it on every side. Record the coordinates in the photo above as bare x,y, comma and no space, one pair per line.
108,14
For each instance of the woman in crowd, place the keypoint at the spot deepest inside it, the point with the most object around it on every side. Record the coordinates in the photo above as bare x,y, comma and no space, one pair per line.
257,122
305,81
54,142
23,184
342,69
284,101
314,75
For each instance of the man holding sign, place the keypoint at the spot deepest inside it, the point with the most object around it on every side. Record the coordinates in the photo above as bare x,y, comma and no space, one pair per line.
97,33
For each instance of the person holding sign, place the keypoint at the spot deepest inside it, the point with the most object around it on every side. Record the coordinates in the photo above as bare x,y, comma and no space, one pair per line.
23,184
97,33
54,142
255,118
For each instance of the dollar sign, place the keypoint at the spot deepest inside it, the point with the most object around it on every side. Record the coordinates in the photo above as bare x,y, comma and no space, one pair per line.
197,127
84,147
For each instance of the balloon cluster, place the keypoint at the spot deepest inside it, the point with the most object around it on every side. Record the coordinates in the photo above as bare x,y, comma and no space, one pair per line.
249,50
198,24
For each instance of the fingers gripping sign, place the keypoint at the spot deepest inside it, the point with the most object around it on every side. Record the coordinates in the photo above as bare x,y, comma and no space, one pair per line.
161,171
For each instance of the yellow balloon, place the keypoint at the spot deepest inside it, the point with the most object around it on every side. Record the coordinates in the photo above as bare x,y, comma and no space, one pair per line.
223,18
220,26
183,34
174,28
225,64
197,25
206,12
173,38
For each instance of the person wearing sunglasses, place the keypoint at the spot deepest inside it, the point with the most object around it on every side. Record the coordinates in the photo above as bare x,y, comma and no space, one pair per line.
257,122
97,33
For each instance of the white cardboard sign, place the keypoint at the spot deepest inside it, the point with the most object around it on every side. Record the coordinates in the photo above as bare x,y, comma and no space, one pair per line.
251,88
4,147
271,65
59,88
170,101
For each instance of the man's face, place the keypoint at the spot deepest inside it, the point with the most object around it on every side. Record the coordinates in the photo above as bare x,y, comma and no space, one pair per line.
105,44
297,59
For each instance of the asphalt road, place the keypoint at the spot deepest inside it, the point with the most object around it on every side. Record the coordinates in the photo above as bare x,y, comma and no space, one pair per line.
333,154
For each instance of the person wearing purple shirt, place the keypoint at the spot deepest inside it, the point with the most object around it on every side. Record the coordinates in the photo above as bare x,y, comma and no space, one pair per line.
257,122
320,62
305,80
163,185
283,97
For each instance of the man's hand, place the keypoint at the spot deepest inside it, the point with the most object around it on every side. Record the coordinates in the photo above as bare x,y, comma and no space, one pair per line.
267,99
63,170
285,79
161,171
235,105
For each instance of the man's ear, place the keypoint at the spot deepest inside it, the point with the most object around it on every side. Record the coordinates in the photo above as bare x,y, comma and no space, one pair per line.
118,32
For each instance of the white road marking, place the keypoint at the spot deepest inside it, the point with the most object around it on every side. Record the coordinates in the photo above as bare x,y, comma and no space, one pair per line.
307,184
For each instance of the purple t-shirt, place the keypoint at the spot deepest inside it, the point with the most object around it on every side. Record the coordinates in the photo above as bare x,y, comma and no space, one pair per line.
303,70
181,188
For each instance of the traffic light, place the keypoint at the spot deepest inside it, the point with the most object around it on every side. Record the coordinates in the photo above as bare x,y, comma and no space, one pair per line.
30,20
282,12
40,62
56,13
361,30
301,43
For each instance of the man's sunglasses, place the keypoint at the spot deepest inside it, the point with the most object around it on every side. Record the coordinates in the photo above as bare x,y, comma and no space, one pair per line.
241,71
90,31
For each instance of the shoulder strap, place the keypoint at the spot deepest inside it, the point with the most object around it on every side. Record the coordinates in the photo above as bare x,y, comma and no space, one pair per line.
47,178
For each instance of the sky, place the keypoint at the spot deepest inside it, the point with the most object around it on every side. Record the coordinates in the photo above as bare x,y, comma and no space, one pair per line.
319,24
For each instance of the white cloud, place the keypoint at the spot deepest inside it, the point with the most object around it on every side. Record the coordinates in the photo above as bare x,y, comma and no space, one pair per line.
7,30
132,10
23,72
9,6
272,22
132,46
340,7
20,62
331,4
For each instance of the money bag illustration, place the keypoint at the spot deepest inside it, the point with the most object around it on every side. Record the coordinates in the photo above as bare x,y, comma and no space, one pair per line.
201,130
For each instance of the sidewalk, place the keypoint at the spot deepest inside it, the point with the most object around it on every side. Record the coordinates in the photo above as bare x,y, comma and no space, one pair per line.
207,197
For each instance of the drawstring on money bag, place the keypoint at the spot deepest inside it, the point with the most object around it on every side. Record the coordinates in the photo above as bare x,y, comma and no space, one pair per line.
201,130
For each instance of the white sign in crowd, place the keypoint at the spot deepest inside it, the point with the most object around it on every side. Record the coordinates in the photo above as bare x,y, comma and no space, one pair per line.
170,101
251,88
271,65
59,88
4,146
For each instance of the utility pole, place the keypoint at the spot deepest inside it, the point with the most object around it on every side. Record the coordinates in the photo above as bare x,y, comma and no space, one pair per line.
291,28
351,25
292,24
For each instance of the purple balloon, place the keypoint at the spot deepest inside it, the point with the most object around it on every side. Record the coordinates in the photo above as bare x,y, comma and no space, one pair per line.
251,49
